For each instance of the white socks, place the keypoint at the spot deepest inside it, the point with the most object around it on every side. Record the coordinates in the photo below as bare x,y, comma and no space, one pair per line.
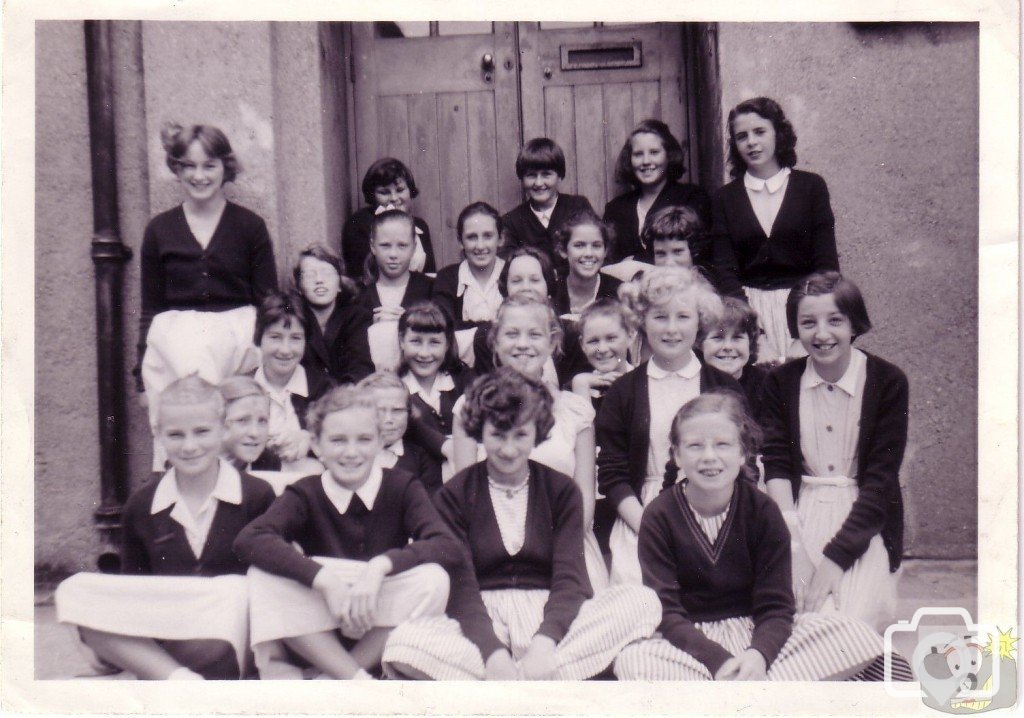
184,674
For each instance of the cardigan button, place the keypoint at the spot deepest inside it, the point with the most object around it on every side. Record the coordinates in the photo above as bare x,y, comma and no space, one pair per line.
828,428
831,467
830,388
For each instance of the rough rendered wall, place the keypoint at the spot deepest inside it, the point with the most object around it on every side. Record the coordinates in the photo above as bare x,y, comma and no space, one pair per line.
66,451
888,115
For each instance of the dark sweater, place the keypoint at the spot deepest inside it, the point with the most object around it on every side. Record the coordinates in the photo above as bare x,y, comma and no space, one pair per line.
550,559
418,290
607,288
747,572
155,544
303,513
236,268
620,213
355,241
341,352
880,446
803,238
623,430
523,229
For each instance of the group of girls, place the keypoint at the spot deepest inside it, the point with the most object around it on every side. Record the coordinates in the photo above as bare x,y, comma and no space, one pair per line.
571,422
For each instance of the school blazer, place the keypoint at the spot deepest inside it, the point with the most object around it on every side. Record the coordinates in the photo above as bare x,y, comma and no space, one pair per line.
880,447
802,241
340,353
417,290
620,213
355,241
607,288
155,544
523,229
429,428
623,427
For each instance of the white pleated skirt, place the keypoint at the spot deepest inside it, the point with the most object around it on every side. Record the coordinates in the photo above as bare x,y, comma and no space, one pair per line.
383,340
624,542
868,590
282,608
820,648
173,608
775,344
214,345
605,624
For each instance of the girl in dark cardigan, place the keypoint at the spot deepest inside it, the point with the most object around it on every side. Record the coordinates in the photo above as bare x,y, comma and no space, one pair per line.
716,551
671,304
772,225
651,162
389,285
836,429
522,606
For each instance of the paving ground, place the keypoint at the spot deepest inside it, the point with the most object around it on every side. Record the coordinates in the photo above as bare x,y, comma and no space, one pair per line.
924,583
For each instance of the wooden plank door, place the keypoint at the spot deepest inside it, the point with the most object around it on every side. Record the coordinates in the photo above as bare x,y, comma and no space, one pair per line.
423,93
586,85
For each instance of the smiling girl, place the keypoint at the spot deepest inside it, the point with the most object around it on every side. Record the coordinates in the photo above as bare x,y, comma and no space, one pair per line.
388,184
772,225
281,337
521,605
205,265
434,376
651,163
583,242
523,337
716,551
468,291
671,303
835,432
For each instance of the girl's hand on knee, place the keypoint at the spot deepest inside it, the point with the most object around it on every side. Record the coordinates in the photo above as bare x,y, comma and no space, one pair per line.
364,593
728,670
501,667
336,592
751,666
825,581
539,663
803,571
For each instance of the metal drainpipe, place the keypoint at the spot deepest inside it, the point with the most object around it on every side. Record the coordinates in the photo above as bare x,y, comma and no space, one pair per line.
109,256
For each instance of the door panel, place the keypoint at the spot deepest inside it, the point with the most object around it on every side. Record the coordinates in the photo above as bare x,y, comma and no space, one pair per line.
589,111
422,95
427,102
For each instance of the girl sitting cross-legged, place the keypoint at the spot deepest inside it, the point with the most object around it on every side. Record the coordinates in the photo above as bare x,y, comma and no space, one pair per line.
521,605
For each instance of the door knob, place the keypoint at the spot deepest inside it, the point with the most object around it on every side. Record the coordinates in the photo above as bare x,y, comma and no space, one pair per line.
547,73
487,65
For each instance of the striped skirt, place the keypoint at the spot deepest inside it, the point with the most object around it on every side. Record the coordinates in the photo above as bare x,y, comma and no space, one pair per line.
820,648
775,344
624,542
867,591
172,608
282,608
605,624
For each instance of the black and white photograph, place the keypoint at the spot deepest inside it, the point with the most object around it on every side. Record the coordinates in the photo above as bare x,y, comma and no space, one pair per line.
600,352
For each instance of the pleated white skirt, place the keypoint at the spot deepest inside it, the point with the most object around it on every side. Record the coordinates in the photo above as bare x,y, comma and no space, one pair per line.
624,542
175,608
775,344
282,608
867,591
